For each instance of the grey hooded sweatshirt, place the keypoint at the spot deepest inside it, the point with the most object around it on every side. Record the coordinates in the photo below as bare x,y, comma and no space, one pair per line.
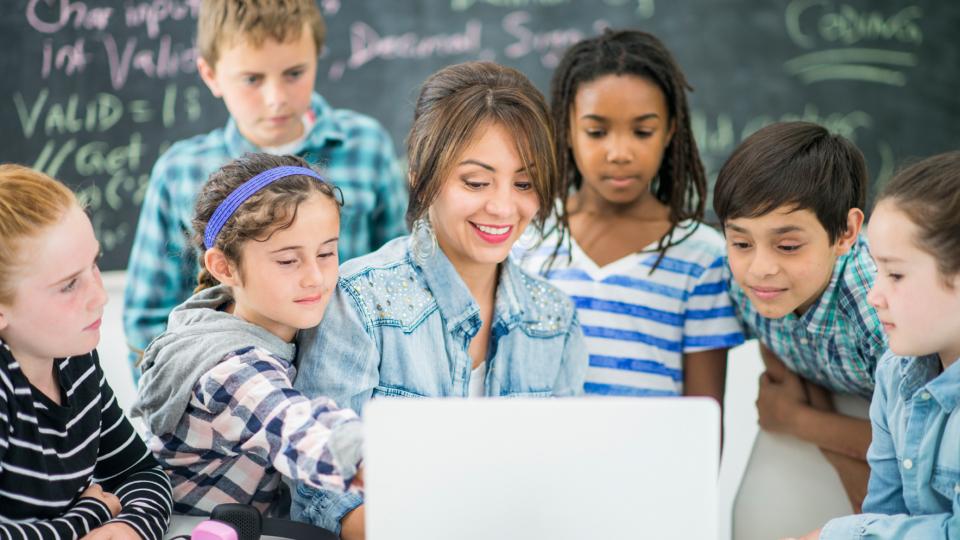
197,338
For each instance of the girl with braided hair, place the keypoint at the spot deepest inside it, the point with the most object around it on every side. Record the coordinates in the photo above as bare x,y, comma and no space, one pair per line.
628,243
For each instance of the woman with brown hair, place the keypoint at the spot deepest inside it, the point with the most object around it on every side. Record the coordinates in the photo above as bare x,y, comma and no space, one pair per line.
444,312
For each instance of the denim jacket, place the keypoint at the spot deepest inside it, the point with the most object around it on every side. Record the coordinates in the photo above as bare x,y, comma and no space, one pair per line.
395,327
914,488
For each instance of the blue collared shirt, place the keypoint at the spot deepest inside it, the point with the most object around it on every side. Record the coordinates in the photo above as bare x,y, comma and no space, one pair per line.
395,327
914,488
354,152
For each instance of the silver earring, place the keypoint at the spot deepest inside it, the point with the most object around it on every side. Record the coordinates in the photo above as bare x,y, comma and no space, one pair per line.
423,242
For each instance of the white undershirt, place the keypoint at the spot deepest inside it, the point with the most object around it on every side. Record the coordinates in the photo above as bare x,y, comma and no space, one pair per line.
288,148
477,377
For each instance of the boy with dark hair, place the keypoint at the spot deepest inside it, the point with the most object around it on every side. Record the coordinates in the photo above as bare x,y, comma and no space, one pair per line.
261,59
790,199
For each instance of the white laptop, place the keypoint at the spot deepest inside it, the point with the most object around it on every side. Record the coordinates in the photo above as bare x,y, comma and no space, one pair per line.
577,468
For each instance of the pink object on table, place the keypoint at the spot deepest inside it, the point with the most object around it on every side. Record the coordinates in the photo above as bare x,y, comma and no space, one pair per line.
212,529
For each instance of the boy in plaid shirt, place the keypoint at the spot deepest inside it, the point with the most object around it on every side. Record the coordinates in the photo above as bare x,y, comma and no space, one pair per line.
261,58
790,200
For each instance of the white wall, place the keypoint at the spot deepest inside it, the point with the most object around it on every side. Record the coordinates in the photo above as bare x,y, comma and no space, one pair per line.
113,346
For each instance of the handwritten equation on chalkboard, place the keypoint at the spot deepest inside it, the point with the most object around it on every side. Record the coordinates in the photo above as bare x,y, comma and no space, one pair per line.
99,89
104,91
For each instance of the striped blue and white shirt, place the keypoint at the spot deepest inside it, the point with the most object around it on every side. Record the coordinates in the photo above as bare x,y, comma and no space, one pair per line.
638,324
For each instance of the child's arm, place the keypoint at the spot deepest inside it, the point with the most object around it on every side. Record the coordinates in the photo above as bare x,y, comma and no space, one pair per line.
85,515
339,359
783,407
705,373
710,329
885,493
929,526
126,468
353,525
311,441
853,473
887,513
88,512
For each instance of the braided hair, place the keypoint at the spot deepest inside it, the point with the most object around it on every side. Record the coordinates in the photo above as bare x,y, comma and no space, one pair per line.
681,182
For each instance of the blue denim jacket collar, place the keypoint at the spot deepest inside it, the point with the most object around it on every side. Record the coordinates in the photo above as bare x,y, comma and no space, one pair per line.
456,303
924,371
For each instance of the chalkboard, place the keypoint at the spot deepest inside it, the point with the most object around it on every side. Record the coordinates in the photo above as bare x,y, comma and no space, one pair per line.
93,91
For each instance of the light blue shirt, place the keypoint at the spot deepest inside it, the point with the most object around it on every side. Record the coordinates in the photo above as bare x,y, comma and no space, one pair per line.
914,488
397,328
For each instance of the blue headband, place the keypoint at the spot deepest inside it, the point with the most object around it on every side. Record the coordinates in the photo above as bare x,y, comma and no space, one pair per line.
233,201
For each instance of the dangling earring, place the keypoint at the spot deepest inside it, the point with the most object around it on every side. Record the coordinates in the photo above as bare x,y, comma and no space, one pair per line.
423,242
529,238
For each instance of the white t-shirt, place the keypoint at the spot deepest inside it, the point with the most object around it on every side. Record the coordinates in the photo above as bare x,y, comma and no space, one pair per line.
288,148
477,378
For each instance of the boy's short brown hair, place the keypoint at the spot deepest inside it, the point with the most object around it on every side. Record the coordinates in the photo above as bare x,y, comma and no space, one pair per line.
228,22
799,165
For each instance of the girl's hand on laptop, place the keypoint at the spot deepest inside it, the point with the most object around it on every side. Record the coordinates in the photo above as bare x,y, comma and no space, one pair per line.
779,401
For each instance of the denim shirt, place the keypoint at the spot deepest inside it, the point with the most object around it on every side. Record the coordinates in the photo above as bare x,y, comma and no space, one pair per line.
914,488
395,327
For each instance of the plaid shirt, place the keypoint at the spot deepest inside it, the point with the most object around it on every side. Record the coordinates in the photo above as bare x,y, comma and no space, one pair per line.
355,153
245,428
839,340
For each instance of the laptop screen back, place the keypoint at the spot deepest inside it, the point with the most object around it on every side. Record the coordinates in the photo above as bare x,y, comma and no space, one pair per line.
541,468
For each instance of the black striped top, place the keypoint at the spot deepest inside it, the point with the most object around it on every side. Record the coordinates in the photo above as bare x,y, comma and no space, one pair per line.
50,453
